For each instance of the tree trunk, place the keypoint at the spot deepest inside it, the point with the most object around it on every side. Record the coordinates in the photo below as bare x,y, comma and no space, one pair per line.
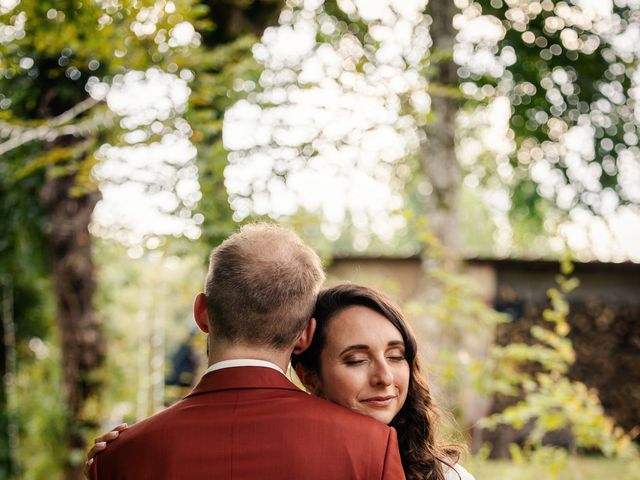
437,152
81,340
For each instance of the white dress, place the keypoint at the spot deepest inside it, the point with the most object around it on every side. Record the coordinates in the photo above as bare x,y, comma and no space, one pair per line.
450,474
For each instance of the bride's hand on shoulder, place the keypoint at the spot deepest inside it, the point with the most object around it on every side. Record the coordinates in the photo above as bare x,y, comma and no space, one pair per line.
99,444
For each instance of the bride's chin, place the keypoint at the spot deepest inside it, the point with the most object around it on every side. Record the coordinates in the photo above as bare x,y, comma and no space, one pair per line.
386,419
379,415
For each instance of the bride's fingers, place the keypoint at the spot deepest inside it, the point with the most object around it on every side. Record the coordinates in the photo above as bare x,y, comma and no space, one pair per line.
121,427
100,443
87,469
97,447
109,436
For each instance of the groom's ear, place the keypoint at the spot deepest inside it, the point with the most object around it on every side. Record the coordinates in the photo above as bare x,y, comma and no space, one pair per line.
304,339
200,312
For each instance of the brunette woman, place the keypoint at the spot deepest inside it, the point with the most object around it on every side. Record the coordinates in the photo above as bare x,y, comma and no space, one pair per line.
364,356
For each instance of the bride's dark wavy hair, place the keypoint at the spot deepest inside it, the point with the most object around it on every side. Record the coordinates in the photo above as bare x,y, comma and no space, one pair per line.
423,455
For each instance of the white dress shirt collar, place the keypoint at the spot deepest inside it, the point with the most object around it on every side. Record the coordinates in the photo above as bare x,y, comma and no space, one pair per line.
243,362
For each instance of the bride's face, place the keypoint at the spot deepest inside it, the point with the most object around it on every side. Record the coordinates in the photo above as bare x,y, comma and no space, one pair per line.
363,365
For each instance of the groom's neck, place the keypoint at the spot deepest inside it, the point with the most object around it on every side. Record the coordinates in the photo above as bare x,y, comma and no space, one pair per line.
220,350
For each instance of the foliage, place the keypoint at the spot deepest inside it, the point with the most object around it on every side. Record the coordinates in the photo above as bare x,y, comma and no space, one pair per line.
221,67
464,324
550,400
51,57
569,71
140,301
217,69
50,127
576,468
59,62
41,412
320,113
565,70
55,56
24,284
146,304
455,311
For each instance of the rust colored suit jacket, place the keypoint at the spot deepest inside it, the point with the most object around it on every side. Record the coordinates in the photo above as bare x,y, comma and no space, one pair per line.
246,423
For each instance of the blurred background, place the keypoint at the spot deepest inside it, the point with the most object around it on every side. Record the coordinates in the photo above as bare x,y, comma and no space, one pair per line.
476,160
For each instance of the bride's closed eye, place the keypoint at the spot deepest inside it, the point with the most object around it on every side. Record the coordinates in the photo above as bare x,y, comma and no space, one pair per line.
396,358
396,355
350,361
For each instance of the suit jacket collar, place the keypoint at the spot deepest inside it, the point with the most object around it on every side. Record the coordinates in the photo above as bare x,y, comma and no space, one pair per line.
242,378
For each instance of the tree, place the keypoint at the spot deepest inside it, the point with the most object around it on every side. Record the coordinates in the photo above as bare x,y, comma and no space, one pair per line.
322,110
496,63
51,130
51,127
229,30
438,160
567,69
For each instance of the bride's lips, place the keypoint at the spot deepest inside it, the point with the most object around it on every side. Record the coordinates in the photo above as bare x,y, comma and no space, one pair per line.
382,401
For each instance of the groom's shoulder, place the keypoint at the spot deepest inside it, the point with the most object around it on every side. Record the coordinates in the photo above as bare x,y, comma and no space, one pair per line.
282,422
325,412
340,432
150,432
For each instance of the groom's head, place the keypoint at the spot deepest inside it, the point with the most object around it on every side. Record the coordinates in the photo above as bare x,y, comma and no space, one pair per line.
261,286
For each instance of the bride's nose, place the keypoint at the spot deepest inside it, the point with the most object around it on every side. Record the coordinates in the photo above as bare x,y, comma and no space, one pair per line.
381,374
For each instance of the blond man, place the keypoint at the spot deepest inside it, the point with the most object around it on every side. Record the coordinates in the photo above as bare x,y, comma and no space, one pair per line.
245,419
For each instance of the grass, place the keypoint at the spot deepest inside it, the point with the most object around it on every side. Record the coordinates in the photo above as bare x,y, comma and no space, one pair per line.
578,468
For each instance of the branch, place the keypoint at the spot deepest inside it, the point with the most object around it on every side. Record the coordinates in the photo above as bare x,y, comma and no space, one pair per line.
20,135
73,112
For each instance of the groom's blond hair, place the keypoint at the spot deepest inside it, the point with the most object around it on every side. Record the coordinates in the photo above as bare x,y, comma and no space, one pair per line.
262,285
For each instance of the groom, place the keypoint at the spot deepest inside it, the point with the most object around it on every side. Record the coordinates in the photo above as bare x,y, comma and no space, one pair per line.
245,419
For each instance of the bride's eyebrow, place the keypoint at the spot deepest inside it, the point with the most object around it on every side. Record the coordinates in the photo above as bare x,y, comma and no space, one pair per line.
362,346
355,347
